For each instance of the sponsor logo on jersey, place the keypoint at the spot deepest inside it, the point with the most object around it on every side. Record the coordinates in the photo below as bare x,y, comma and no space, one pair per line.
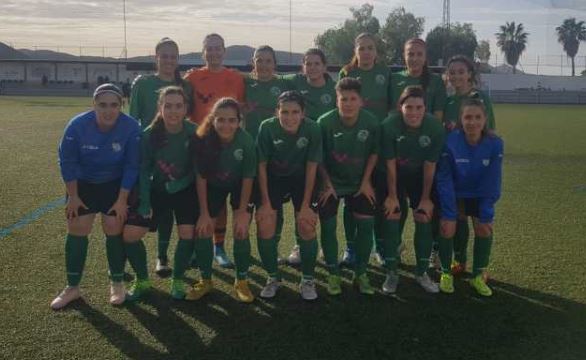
400,138
424,141
69,138
278,142
485,162
302,142
461,161
304,92
275,90
90,147
116,147
239,154
362,135
326,99
337,135
380,79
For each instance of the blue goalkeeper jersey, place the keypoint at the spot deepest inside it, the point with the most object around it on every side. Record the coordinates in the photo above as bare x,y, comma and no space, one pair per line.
88,154
470,172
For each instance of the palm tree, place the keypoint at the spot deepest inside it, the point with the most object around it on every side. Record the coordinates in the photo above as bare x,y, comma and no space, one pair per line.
512,40
570,33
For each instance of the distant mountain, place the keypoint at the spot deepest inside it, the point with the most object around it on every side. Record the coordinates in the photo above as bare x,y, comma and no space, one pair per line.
237,54
8,52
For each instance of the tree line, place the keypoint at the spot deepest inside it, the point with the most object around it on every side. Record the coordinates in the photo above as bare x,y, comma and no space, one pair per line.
442,42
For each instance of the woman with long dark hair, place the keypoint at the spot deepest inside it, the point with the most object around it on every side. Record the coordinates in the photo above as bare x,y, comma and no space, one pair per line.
226,165
166,185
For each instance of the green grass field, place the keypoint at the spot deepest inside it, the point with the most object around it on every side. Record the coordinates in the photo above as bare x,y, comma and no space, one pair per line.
538,310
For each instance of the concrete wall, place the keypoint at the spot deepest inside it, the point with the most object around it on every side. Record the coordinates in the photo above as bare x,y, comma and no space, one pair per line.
522,81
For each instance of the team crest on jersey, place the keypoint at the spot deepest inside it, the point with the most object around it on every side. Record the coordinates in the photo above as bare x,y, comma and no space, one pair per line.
485,162
239,154
380,79
116,147
326,99
302,142
424,141
362,135
275,90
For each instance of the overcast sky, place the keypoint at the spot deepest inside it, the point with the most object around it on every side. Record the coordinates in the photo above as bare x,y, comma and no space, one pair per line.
68,24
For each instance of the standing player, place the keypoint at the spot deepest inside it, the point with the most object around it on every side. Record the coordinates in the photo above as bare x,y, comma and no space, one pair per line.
262,89
289,150
418,139
351,145
210,83
376,94
98,156
143,107
226,165
463,78
319,96
418,74
469,184
166,185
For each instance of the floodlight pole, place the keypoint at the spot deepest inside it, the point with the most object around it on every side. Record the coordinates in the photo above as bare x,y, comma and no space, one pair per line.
290,33
125,42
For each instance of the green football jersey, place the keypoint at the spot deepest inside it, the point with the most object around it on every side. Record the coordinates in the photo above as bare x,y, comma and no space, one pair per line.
347,149
237,161
435,93
453,103
288,154
145,96
168,168
376,88
261,101
318,100
412,147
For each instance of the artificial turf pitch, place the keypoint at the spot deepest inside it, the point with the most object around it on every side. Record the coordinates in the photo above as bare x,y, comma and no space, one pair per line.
538,310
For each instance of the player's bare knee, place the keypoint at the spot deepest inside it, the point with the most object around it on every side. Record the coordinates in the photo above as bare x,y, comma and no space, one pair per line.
266,227
483,230
306,230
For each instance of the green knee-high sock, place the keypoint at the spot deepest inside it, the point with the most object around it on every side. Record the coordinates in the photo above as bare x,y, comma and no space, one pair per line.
279,227
404,213
364,235
267,249
136,253
308,252
183,254
204,250
435,233
446,248
349,228
461,241
378,233
242,258
391,241
329,244
75,255
482,248
164,229
116,257
423,240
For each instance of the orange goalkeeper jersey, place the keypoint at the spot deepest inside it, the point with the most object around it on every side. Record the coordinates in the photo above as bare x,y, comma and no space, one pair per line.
209,86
